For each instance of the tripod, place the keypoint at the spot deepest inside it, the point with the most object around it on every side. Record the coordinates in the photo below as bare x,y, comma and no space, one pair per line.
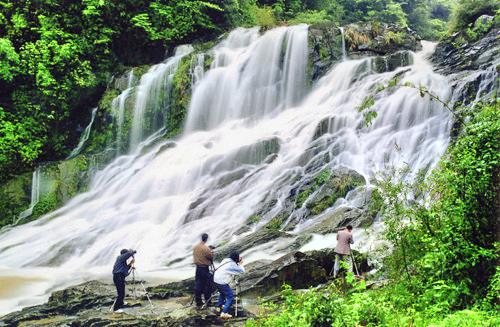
237,292
143,287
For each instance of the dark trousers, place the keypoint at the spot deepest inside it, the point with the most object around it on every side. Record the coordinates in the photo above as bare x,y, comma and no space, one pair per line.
119,280
202,284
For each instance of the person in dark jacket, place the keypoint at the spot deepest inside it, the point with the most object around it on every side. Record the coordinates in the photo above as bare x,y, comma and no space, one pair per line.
121,269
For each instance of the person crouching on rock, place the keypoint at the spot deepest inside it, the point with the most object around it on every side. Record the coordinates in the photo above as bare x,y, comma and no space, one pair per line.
227,269
202,258
343,248
121,269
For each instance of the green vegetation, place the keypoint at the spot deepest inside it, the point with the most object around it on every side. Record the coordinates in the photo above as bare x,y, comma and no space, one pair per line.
276,222
442,269
467,12
57,56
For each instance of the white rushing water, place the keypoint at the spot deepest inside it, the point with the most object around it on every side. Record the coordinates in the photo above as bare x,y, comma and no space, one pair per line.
344,52
35,194
84,137
153,94
248,137
118,105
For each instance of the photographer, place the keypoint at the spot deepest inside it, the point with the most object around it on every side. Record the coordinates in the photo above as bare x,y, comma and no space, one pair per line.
227,269
122,269
202,258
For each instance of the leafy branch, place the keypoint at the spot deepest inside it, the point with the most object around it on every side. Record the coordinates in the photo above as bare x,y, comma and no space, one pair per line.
369,101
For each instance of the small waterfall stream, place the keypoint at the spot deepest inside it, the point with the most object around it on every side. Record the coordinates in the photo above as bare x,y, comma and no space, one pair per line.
153,94
344,52
84,137
35,194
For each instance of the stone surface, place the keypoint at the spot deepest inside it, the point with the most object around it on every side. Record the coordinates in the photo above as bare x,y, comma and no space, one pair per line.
361,40
452,56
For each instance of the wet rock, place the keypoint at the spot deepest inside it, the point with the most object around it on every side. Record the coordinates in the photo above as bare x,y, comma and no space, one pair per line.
364,39
15,197
261,236
456,54
321,192
297,269
339,218
382,64
88,295
173,289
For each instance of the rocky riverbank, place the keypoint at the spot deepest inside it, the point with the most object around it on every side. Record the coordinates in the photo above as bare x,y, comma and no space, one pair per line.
88,304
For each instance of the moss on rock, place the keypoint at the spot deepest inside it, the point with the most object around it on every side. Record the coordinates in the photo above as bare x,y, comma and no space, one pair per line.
15,197
181,95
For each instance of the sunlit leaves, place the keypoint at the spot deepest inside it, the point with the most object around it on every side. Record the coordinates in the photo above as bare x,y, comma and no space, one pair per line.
9,59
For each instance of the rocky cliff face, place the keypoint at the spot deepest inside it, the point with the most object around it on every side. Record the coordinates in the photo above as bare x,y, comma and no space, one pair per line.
387,42
473,65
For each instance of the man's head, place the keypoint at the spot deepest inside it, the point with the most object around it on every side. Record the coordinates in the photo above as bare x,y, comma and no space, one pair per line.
235,256
204,237
349,228
123,251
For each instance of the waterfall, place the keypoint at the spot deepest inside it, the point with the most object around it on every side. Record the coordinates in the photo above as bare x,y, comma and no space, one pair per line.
35,195
118,105
153,97
197,69
84,137
236,87
344,52
249,136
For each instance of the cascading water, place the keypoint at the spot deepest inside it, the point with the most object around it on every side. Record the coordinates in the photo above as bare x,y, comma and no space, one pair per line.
344,52
118,105
250,123
35,194
153,97
233,90
84,137
197,68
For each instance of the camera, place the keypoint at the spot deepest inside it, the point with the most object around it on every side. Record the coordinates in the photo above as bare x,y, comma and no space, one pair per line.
132,251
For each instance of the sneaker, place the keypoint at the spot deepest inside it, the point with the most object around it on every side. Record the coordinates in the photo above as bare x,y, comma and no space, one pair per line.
118,311
225,315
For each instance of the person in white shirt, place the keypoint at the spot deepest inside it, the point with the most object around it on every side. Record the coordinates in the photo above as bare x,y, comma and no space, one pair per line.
227,269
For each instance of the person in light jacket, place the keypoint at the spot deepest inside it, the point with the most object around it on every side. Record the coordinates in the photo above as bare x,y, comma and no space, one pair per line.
227,269
343,248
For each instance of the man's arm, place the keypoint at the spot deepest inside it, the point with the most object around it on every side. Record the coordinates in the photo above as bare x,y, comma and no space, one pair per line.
235,269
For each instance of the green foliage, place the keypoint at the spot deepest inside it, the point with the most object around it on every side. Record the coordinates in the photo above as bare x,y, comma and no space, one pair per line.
253,219
57,56
9,59
445,250
310,17
263,16
181,96
166,22
467,11
46,204
320,179
276,222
